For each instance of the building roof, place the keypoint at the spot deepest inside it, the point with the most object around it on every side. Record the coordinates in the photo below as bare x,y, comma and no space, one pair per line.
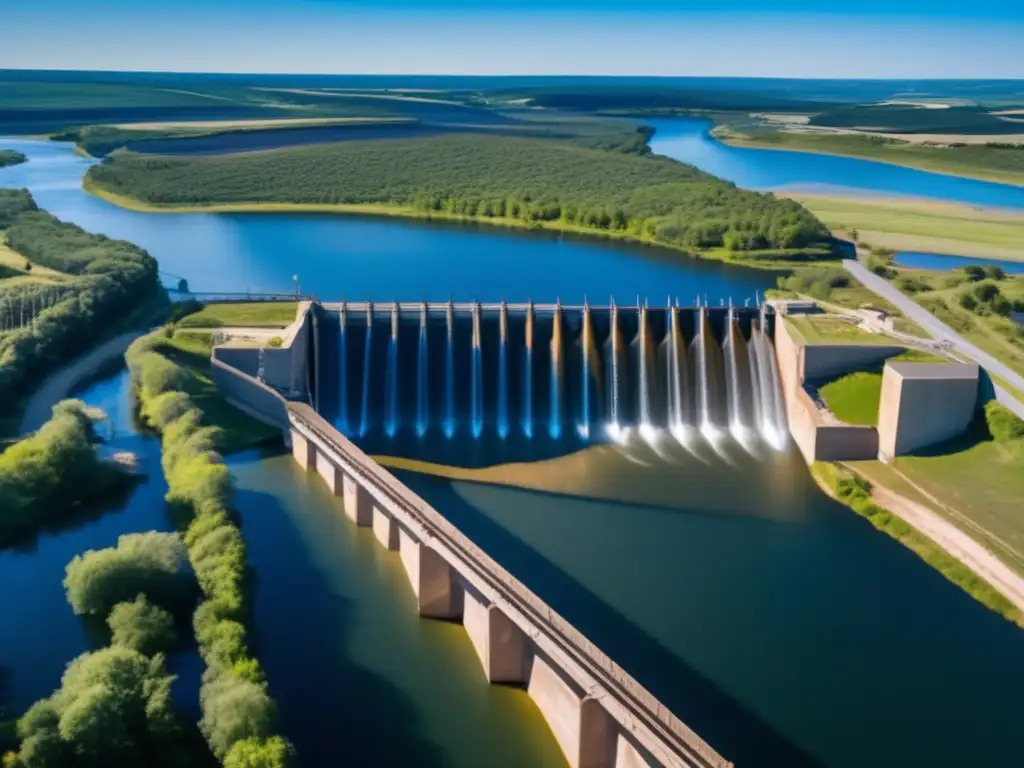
935,370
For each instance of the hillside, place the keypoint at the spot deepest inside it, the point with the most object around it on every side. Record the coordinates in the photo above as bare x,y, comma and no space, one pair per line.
489,177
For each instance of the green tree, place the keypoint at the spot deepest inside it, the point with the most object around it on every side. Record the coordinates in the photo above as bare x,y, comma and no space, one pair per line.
235,710
275,752
142,626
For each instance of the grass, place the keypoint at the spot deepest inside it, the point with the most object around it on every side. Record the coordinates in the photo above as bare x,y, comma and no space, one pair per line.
851,489
257,314
925,226
978,161
191,350
854,398
830,330
14,261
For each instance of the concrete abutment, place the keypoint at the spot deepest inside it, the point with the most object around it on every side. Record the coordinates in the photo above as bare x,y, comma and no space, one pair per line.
500,645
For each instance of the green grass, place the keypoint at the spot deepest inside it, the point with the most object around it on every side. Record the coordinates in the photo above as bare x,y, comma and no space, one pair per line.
854,398
829,330
1004,165
258,314
852,490
925,226
191,350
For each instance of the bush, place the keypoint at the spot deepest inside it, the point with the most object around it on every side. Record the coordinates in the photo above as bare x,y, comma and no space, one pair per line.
235,710
275,341
113,708
1003,424
275,752
995,272
985,292
909,284
974,274
142,626
153,564
968,302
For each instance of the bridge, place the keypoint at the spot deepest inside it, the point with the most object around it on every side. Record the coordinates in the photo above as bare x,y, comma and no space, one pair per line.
600,715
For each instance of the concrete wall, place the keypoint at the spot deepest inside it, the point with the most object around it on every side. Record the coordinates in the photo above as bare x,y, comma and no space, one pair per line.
249,395
818,437
821,363
599,715
922,406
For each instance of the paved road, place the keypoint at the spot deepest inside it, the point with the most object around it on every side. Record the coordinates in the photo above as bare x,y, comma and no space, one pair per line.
941,331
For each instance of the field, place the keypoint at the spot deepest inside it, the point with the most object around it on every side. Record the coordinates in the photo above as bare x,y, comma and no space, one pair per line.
829,330
1003,164
854,398
14,263
260,314
924,226
486,177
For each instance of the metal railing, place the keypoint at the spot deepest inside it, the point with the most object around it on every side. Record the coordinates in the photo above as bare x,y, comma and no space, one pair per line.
637,700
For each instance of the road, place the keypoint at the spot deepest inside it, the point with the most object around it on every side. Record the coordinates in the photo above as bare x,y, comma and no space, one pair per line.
59,385
943,332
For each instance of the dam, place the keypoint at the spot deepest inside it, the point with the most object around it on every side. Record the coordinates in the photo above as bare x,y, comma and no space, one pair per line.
539,376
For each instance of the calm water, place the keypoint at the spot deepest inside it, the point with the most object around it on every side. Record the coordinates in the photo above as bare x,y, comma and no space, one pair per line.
39,634
773,169
943,261
781,626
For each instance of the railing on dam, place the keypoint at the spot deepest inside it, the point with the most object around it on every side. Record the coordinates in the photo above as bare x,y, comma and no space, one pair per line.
675,743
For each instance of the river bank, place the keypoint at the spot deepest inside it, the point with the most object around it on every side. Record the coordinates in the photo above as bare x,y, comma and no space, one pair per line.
753,259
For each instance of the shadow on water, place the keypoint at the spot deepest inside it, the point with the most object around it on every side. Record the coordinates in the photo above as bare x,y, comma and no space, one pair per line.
719,719
330,705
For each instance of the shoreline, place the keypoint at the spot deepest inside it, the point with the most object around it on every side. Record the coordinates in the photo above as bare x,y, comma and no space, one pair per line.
747,143
409,213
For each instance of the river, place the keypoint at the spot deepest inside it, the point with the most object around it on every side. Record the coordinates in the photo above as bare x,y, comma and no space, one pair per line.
780,626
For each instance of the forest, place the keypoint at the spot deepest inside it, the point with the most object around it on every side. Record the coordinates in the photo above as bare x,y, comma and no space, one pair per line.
11,157
489,177
114,279
912,119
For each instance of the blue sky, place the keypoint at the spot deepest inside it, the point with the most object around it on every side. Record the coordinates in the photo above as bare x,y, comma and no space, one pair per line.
771,38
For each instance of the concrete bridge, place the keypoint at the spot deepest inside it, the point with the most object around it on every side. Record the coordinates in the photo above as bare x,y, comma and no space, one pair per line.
600,715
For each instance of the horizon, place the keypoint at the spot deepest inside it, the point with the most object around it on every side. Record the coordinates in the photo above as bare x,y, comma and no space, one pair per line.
784,39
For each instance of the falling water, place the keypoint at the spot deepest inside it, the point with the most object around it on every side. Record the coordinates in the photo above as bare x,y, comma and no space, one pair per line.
643,351
503,371
590,371
675,366
528,373
391,414
343,369
555,425
757,377
739,385
422,371
614,370
364,422
477,373
449,366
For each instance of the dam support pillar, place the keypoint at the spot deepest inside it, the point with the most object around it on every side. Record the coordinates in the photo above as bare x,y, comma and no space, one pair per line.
439,595
385,528
331,474
500,644
356,501
303,451
583,728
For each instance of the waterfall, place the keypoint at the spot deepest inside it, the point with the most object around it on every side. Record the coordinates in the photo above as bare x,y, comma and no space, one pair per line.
675,364
364,422
422,371
614,371
343,369
503,371
528,373
757,378
555,424
644,404
477,374
590,370
391,409
773,422
449,367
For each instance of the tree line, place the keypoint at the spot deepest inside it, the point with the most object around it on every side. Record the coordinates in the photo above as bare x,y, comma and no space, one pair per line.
114,280
528,180
11,157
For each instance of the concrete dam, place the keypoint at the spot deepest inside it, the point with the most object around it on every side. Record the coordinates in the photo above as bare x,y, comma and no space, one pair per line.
525,372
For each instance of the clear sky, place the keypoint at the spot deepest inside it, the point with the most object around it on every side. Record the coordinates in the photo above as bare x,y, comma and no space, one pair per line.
771,38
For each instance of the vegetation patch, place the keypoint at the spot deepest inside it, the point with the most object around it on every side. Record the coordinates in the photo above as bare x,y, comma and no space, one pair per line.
11,157
855,492
257,314
533,182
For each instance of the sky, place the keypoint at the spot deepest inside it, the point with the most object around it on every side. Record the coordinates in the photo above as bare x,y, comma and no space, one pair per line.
770,38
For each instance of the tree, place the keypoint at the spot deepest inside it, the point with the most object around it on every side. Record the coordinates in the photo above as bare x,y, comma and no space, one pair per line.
984,292
995,272
968,302
275,752
142,626
235,710
974,274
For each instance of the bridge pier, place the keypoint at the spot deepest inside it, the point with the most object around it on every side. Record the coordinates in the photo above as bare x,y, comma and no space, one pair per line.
500,644
303,450
356,501
583,728
331,474
385,528
438,593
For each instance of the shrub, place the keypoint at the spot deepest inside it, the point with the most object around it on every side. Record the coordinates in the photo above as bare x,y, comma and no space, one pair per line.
275,341
994,272
1003,424
275,752
974,274
985,292
235,710
153,564
968,302
142,626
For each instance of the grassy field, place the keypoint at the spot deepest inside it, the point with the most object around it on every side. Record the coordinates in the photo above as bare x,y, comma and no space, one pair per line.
15,262
191,349
845,485
854,398
924,226
1004,165
258,314
829,330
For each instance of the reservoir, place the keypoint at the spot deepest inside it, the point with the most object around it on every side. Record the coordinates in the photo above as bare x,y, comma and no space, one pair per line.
943,261
780,626
689,140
